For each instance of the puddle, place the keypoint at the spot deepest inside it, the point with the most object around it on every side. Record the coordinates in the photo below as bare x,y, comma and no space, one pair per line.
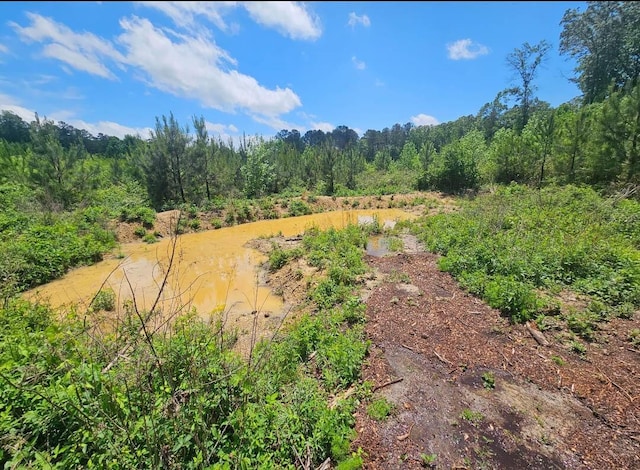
377,246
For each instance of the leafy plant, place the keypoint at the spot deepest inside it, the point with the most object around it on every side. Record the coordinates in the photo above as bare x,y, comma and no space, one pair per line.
105,299
474,417
488,380
380,409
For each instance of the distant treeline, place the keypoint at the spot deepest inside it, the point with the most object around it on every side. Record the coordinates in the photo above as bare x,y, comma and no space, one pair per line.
593,139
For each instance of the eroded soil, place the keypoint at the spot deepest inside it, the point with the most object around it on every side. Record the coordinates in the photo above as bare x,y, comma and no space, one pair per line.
432,344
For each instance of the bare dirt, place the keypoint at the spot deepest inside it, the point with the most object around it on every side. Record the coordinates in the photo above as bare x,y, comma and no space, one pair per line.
432,344
469,389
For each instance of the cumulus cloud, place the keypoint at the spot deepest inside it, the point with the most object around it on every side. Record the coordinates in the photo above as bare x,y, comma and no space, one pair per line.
424,120
292,19
359,64
225,132
355,20
466,49
110,128
82,51
188,65
323,126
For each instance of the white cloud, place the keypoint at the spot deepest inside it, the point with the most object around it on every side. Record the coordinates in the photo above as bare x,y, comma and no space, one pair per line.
223,131
276,123
194,67
187,65
82,51
104,127
291,19
323,126
354,20
379,83
109,128
359,64
466,49
3,49
184,14
424,120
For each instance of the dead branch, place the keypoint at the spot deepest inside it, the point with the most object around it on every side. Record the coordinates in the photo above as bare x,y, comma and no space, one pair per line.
537,334
627,394
442,358
386,384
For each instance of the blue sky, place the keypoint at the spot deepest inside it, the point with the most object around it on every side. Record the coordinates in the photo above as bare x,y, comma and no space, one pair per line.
259,67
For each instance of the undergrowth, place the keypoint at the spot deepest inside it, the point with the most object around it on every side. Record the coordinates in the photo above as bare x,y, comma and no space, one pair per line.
183,399
517,247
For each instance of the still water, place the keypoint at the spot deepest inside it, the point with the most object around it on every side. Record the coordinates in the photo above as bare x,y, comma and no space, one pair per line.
212,271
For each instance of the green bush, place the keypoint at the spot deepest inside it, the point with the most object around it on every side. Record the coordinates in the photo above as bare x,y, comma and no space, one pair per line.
380,409
125,400
298,207
508,246
105,299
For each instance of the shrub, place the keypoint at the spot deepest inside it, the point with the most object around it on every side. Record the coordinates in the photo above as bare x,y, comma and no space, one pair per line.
380,409
105,299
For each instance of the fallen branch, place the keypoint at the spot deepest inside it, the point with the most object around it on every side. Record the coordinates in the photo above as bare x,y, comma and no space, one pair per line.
442,358
537,335
405,436
386,384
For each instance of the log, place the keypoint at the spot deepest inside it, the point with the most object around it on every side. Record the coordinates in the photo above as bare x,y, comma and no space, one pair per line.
537,334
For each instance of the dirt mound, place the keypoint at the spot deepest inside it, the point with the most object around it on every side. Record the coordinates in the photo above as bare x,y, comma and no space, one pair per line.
471,390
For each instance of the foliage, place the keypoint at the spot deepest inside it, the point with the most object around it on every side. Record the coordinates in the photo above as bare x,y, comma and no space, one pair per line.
105,299
182,399
380,409
506,246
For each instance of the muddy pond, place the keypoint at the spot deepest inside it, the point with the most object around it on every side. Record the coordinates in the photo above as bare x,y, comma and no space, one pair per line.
213,271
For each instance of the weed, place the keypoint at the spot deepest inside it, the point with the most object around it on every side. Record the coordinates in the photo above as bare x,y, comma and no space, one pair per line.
474,417
558,360
488,380
140,232
216,223
394,244
105,299
380,409
428,460
634,337
149,238
578,348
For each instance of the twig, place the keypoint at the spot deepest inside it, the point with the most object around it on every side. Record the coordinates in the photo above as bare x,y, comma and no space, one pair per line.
407,347
405,436
386,384
627,394
442,358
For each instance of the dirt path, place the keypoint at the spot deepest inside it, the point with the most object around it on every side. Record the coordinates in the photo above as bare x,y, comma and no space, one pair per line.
548,408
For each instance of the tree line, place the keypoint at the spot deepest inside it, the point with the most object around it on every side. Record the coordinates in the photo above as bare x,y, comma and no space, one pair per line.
593,139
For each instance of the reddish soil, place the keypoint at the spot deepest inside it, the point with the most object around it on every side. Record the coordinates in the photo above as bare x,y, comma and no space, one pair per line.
432,343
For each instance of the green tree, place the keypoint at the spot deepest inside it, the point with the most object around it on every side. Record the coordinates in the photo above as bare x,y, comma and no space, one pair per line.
258,171
165,165
605,42
456,166
621,130
525,62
